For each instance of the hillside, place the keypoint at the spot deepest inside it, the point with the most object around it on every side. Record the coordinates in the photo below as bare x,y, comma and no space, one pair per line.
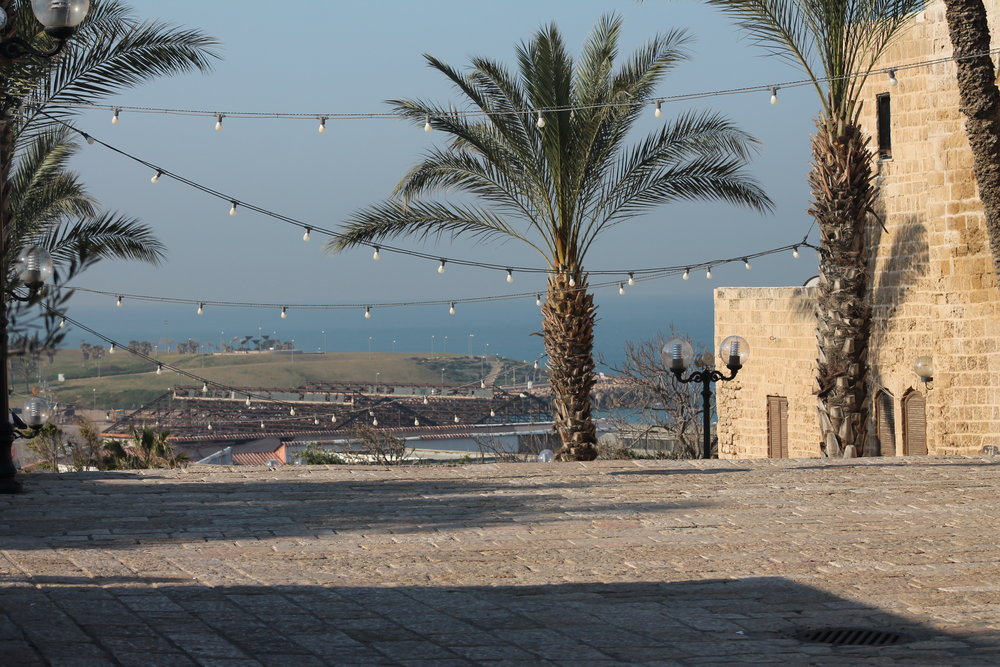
123,381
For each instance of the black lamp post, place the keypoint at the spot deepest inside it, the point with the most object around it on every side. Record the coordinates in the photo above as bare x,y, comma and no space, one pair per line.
678,355
60,19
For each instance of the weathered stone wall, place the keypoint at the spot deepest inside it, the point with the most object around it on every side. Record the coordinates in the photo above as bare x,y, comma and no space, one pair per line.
779,324
934,290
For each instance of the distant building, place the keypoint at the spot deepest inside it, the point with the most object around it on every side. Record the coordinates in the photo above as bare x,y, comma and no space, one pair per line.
934,288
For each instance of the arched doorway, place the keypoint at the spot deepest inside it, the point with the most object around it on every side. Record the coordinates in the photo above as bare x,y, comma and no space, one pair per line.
885,423
914,424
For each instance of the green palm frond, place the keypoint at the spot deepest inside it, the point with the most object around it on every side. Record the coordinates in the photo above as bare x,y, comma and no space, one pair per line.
557,187
104,236
836,43
113,51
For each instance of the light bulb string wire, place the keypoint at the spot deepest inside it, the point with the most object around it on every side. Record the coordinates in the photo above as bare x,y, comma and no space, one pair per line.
314,228
659,274
389,115
241,393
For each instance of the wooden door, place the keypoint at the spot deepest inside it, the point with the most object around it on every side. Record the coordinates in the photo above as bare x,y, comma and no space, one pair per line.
914,424
777,427
885,421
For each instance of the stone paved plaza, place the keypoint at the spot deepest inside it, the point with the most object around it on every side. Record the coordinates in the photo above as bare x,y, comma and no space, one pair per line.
688,562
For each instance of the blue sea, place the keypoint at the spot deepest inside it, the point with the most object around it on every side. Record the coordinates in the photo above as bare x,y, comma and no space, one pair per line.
497,328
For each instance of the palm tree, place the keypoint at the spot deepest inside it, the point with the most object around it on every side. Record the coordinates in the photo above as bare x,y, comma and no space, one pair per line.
558,185
980,102
836,43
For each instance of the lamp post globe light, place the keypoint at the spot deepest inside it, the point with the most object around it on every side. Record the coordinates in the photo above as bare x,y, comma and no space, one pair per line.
59,19
677,355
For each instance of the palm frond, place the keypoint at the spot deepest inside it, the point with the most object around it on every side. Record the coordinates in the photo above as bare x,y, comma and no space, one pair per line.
106,236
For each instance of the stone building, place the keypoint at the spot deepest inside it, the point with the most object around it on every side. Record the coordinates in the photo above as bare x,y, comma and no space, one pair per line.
933,286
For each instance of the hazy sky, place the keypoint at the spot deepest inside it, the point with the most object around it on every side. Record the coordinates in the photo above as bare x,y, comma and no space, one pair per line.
318,56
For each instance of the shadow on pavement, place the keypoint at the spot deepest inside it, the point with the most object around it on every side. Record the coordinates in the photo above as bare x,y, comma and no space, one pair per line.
76,621
161,510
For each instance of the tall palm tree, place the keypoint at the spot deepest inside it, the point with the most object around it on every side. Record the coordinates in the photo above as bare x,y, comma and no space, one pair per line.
980,102
836,43
558,185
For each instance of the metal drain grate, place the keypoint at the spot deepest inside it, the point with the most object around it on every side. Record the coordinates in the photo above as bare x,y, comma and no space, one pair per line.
850,637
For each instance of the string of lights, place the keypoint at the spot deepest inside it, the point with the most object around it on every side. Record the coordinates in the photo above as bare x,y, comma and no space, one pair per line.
284,308
442,262
324,117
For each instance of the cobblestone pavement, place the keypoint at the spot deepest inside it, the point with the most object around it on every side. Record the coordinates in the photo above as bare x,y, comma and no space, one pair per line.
686,563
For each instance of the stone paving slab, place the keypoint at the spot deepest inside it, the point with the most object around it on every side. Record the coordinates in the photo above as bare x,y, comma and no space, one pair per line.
604,563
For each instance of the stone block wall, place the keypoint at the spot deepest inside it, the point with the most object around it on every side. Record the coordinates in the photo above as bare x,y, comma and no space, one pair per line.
779,324
933,285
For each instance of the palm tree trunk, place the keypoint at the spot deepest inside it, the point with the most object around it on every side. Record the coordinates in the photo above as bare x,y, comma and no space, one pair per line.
842,195
980,102
568,328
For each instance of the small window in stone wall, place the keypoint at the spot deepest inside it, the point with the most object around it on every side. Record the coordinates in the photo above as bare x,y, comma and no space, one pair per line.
883,111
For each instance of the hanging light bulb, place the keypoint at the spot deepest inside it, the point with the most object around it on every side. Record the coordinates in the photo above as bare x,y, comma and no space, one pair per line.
621,288
510,275
892,77
248,402
658,112
322,125
368,312
774,95
541,121
493,413
457,419
375,255
156,177
425,400
209,426
374,421
572,281
316,421
441,266
90,139
536,364
795,252
218,122
284,312
204,388
159,369
62,323
708,273
111,348
538,299
687,273
291,411
747,264
631,279
451,310
427,123
333,418
114,118
232,211
262,424
201,309
416,421
119,302
308,235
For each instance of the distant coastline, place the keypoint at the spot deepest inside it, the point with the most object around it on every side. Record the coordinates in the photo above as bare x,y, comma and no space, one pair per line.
502,328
